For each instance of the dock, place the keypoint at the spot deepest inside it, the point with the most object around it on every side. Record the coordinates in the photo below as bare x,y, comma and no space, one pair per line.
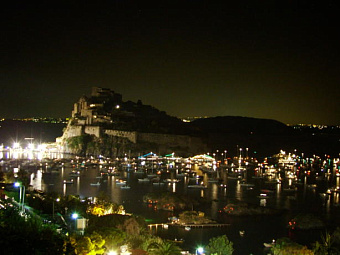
210,225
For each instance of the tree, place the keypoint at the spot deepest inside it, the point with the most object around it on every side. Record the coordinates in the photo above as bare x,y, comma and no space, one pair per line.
79,144
284,246
131,226
148,240
114,238
220,246
163,248
27,235
89,245
9,177
104,206
326,247
193,217
336,236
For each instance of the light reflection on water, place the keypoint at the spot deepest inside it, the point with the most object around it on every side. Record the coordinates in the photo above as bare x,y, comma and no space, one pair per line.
258,229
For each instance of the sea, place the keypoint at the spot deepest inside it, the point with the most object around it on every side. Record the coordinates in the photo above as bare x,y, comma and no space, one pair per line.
257,229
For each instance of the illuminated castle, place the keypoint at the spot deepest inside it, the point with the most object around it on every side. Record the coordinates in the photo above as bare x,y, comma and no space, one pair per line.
104,112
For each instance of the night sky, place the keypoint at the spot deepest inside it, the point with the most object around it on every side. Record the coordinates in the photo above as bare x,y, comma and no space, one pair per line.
197,58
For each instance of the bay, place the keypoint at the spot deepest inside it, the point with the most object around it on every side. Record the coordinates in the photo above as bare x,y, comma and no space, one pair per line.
258,229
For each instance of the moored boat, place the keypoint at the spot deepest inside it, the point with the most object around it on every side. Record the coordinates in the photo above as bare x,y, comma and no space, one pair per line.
198,186
68,181
144,180
95,184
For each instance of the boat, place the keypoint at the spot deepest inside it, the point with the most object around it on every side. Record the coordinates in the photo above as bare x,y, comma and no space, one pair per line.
74,173
187,228
158,183
171,180
290,190
139,172
273,181
178,240
267,191
120,182
125,187
144,180
151,175
247,184
68,181
311,186
197,186
263,196
268,245
113,173
95,184
196,177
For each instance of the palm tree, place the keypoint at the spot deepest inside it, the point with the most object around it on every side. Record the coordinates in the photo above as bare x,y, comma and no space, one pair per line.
326,246
164,248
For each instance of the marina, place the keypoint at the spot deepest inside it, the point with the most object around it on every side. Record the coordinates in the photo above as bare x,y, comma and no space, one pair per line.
128,186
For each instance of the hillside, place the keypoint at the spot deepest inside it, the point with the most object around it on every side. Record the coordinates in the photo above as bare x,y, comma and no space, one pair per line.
264,137
242,125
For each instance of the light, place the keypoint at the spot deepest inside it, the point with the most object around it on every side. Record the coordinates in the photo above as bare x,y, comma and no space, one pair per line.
74,216
112,253
21,195
200,250
16,145
31,146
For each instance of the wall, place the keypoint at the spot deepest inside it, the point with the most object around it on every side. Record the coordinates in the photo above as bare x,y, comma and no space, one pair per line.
180,143
132,136
93,130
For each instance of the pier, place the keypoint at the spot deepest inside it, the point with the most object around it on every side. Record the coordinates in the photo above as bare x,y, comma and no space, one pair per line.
166,225
210,225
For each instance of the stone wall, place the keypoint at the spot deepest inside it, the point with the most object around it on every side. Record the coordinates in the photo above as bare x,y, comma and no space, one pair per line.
93,130
130,135
164,143
72,131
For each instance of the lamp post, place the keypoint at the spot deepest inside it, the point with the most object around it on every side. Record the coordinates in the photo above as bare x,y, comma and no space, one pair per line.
199,250
75,216
57,200
225,160
21,195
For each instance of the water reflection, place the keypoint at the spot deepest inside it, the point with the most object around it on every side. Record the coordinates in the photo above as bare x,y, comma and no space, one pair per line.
302,199
36,180
238,191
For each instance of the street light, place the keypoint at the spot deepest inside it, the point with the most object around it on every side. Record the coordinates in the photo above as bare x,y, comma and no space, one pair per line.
74,216
199,250
57,200
16,145
21,195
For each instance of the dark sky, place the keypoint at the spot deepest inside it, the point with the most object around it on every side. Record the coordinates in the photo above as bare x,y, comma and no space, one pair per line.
250,58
